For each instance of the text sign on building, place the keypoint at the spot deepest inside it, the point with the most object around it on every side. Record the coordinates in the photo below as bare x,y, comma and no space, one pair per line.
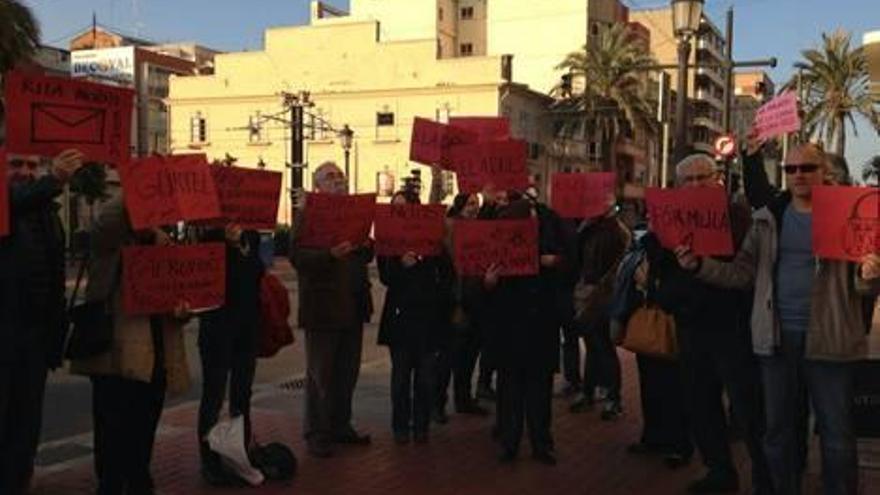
109,64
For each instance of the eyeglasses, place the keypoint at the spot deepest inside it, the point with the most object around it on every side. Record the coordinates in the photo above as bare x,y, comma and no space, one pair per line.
804,168
19,164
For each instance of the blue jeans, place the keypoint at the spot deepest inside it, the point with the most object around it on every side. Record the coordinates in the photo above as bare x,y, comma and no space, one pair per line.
787,376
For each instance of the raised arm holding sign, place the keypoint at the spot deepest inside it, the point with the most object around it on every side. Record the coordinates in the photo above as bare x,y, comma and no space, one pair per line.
582,195
695,217
165,190
432,141
156,279
46,115
846,222
248,197
414,228
510,244
499,164
332,219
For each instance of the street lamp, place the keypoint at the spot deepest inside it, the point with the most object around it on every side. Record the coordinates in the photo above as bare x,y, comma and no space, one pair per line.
686,15
346,137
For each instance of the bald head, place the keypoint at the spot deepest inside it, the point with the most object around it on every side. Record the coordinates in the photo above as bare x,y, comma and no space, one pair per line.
805,167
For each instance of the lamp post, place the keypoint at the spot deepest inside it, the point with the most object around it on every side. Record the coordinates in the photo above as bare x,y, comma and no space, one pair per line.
346,137
686,15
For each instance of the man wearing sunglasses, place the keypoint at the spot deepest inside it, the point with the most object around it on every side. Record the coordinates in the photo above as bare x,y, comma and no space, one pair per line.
807,326
32,315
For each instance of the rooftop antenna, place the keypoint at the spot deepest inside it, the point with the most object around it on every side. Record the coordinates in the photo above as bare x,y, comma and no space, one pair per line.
94,30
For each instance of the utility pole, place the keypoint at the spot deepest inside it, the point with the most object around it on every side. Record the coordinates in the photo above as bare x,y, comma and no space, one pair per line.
728,93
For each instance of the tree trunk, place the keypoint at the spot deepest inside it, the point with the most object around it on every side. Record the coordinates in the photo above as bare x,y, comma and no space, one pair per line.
840,142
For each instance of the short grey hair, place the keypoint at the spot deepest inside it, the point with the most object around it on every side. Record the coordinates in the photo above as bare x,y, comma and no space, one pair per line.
692,160
321,171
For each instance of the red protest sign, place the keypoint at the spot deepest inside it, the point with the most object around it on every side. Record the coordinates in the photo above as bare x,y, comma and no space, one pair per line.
486,128
248,197
165,190
155,279
846,222
499,164
410,228
4,195
777,117
512,244
582,195
696,217
431,142
46,115
331,219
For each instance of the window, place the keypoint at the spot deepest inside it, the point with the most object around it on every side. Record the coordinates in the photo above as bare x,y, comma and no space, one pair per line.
466,49
440,13
467,12
255,128
594,29
198,128
384,119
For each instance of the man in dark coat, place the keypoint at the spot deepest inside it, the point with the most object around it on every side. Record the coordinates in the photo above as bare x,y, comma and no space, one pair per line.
32,310
334,304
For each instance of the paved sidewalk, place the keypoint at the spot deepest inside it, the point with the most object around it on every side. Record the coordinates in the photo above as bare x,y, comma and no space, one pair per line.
460,459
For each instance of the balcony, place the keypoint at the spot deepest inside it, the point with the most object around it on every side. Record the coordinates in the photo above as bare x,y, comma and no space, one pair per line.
707,122
710,47
710,98
713,73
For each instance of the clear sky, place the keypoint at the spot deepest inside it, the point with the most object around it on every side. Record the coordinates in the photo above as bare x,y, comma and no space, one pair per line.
763,28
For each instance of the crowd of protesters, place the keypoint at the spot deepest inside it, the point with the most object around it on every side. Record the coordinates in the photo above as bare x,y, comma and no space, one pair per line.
772,332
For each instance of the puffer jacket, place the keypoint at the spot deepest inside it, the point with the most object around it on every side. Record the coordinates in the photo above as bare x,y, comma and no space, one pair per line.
837,327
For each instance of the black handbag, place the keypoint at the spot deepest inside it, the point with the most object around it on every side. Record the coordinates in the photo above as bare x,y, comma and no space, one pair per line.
91,324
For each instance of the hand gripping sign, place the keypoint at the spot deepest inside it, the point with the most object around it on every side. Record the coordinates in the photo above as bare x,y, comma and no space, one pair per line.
46,115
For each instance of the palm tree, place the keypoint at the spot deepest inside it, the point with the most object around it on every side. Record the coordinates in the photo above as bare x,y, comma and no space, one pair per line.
19,34
614,98
835,81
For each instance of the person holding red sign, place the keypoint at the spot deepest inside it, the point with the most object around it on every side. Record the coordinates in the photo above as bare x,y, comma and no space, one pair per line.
228,339
714,349
524,343
414,332
146,358
334,304
32,319
807,326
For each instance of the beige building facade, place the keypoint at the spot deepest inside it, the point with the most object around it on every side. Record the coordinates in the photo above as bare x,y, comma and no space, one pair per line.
355,77
872,55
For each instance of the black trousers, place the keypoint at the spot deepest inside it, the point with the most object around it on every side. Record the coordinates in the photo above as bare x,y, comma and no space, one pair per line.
457,364
665,425
571,355
333,361
22,383
715,362
412,388
126,415
601,364
525,398
229,357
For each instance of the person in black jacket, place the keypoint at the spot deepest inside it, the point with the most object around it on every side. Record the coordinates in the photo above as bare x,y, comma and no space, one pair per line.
716,353
228,340
32,310
413,328
525,344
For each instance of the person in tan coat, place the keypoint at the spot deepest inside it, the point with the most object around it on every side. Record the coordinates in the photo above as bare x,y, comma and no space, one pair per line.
146,359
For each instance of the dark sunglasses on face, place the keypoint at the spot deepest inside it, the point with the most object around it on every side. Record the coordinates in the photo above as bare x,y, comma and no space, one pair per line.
17,164
804,168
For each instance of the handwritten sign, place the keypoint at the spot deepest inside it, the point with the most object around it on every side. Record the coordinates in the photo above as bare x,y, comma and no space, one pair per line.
46,115
499,164
331,219
582,195
846,222
486,128
4,195
512,244
165,190
157,278
779,116
432,141
696,217
248,197
410,228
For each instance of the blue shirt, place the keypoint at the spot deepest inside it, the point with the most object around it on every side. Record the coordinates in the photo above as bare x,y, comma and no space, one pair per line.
795,270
